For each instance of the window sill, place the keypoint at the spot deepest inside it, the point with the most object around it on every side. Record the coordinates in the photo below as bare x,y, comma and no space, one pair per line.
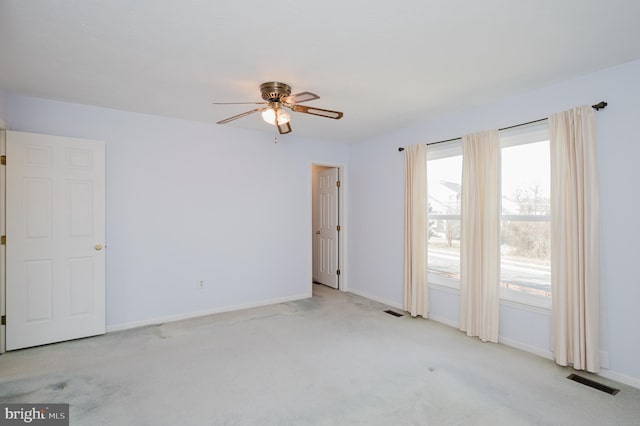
443,282
507,298
444,288
525,301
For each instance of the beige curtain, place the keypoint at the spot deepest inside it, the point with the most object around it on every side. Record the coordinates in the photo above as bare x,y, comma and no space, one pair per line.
480,249
575,245
415,231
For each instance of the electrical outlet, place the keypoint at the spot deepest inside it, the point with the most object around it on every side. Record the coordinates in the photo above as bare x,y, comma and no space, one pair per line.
201,283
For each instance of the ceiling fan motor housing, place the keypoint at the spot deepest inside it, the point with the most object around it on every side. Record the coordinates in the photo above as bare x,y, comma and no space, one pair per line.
274,91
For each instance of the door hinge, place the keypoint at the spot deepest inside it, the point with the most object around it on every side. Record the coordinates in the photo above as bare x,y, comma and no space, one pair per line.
3,240
3,320
338,228
3,160
338,272
337,182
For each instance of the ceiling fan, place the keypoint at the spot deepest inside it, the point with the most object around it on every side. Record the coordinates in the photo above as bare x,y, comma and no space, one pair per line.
277,96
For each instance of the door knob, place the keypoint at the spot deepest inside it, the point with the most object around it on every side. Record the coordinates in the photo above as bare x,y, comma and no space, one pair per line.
98,247
318,232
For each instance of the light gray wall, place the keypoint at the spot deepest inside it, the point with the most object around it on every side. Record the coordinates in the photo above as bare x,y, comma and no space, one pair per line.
376,210
3,109
188,201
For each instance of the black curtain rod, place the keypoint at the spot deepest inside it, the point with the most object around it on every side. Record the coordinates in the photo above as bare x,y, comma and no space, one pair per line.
597,107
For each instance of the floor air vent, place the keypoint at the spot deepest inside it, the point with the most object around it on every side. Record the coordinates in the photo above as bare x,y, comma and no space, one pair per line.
591,383
390,312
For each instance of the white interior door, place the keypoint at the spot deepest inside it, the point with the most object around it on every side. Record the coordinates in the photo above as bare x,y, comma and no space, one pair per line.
55,231
327,234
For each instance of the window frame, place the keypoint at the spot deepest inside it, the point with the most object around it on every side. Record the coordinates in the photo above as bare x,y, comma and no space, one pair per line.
437,152
522,135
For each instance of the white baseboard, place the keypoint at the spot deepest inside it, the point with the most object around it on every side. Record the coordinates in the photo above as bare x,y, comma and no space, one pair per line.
620,378
377,299
505,341
189,315
525,347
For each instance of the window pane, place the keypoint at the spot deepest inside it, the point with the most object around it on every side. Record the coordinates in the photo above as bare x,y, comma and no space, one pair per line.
444,182
526,179
524,250
444,248
525,263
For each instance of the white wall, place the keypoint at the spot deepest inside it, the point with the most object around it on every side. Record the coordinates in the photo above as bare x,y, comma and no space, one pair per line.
376,209
188,201
3,109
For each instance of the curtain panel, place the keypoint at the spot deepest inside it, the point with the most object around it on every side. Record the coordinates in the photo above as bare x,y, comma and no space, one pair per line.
575,239
415,231
480,248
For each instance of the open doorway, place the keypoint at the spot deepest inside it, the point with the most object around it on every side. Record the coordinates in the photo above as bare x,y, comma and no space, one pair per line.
326,225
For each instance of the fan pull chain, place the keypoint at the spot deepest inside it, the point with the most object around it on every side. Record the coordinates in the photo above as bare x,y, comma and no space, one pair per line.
275,137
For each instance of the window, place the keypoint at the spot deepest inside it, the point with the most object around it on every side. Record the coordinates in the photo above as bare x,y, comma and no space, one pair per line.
525,222
444,183
525,219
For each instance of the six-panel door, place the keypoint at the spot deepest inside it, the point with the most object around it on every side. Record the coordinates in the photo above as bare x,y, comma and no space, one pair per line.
55,239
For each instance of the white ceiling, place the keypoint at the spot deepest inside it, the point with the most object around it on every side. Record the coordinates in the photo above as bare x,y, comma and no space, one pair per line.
384,63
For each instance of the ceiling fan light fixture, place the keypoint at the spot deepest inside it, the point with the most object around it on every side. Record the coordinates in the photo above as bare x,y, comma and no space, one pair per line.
269,115
277,99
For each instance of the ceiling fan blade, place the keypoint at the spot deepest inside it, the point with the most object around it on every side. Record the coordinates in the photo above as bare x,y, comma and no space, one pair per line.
285,128
244,114
238,103
317,111
300,97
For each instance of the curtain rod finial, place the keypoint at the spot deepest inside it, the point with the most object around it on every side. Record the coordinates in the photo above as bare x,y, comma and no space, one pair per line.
599,106
400,149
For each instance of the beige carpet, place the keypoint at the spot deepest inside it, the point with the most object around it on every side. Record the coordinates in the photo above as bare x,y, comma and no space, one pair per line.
335,359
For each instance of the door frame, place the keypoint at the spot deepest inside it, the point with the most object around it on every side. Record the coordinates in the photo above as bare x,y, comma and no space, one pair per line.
342,220
3,252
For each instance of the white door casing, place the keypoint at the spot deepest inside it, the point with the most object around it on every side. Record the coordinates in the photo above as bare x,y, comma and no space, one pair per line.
55,252
327,233
3,258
